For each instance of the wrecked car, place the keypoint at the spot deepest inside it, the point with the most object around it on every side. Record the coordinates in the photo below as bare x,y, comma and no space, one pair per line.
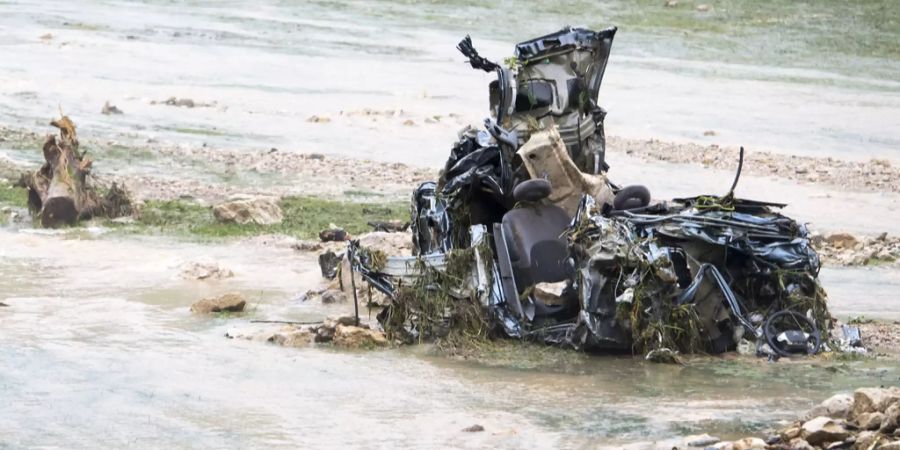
524,236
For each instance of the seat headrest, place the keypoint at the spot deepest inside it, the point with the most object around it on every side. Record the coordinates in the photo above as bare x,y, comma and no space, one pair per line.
532,190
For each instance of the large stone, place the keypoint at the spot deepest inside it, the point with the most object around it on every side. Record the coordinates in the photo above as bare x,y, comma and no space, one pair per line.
326,331
349,336
837,407
891,420
749,443
790,433
890,446
823,429
870,421
223,303
291,336
867,400
866,440
258,210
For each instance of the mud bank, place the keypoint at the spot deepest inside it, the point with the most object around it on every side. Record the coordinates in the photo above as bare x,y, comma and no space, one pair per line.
874,175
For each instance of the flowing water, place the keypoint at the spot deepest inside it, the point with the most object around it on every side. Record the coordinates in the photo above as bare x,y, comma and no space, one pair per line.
98,348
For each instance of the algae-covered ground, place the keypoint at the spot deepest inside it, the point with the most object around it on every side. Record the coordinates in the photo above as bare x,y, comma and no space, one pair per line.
13,196
304,217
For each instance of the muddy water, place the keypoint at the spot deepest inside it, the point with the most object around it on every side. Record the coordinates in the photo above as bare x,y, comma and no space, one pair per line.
99,349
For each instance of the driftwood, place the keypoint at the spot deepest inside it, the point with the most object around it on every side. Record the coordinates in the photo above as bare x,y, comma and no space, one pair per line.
59,192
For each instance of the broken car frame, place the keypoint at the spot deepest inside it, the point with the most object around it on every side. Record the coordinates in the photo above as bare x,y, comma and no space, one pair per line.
524,232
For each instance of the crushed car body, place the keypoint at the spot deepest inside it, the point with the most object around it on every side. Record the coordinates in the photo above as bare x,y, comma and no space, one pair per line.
524,236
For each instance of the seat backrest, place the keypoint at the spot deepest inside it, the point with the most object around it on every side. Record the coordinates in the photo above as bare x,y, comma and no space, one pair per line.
537,250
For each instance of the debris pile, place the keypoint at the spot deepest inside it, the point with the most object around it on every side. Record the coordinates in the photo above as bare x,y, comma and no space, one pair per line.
525,236
59,193
697,277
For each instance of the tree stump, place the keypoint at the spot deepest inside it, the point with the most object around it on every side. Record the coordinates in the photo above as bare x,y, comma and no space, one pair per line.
59,193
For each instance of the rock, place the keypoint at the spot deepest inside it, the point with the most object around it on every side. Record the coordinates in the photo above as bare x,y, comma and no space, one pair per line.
870,421
823,429
223,303
349,336
890,446
709,133
409,122
204,271
702,440
722,446
866,440
326,331
473,429
749,443
790,433
873,400
292,336
110,109
670,3
891,420
837,407
333,296
328,264
799,444
704,8
258,210
841,240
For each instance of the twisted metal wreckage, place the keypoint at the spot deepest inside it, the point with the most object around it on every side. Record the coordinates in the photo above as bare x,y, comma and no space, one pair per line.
524,236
